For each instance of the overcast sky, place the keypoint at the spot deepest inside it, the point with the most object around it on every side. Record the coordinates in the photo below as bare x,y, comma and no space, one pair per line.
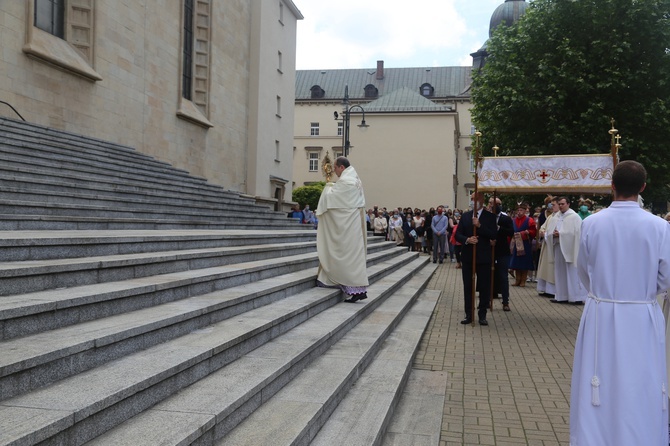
357,33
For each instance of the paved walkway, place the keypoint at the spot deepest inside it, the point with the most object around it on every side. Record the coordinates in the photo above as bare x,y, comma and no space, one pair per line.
508,383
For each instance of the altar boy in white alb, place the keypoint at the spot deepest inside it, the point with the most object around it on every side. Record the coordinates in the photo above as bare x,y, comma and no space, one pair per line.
619,381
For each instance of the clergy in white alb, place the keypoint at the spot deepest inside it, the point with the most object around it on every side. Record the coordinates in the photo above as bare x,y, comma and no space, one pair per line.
563,245
341,238
545,266
619,381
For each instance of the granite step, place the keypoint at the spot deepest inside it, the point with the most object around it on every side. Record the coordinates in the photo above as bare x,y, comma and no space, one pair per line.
43,245
375,352
78,409
363,415
39,275
41,222
49,356
55,202
205,411
70,150
105,207
42,184
417,420
18,141
29,154
37,168
29,313
16,127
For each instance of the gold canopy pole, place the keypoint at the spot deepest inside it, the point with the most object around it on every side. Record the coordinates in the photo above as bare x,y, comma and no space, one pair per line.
493,248
477,153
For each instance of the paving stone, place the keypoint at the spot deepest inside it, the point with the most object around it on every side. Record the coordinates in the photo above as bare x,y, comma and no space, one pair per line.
508,383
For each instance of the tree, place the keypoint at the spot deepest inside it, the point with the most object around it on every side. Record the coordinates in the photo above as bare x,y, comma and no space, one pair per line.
553,81
308,195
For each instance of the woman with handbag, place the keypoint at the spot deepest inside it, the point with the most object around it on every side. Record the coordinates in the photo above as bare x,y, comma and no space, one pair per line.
522,251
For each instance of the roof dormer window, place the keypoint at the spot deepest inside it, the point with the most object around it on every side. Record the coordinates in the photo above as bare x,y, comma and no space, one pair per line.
371,91
317,92
427,90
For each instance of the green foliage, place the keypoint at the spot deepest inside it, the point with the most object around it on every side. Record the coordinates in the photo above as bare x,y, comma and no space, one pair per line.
308,195
553,81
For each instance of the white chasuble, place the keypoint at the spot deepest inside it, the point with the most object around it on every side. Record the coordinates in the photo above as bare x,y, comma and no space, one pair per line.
341,237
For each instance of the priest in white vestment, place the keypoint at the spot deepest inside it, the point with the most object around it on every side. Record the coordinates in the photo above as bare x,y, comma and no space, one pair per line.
563,243
341,237
546,283
619,393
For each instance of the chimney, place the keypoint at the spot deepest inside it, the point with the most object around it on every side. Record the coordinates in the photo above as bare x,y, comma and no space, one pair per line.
380,70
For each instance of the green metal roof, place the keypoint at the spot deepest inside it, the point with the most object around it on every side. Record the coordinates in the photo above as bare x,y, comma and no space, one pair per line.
404,100
447,82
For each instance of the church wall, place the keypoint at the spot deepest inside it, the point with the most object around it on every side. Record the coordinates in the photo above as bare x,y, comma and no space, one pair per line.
138,57
272,92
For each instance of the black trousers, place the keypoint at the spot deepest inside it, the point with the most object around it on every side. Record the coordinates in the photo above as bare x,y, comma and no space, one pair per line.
483,286
501,278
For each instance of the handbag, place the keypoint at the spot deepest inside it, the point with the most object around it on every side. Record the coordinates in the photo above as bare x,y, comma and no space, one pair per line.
518,242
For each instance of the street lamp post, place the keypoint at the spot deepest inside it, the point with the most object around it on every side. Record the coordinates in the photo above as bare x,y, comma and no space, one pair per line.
346,118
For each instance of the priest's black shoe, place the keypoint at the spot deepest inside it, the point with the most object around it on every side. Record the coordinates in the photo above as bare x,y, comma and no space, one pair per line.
483,322
356,297
554,301
466,321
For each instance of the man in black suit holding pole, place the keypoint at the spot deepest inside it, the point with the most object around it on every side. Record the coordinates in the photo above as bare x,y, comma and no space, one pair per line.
502,254
476,249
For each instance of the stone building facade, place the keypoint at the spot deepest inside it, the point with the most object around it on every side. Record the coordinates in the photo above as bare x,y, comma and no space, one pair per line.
207,86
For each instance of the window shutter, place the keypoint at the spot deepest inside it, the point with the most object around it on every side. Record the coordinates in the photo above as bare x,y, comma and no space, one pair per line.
80,27
202,54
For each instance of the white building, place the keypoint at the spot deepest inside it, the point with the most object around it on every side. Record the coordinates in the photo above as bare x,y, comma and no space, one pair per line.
416,150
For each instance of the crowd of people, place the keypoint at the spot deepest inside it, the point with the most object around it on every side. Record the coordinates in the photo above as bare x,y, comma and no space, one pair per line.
618,261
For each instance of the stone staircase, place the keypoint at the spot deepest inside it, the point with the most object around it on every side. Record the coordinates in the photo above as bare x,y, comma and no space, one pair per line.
142,306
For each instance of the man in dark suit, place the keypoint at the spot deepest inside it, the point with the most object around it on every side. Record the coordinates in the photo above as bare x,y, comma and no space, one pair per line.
485,222
502,253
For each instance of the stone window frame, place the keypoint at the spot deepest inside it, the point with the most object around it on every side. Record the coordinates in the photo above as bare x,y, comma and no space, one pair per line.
75,53
471,159
197,109
313,157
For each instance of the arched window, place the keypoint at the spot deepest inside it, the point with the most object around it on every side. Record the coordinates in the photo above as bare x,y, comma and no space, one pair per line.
371,91
427,90
317,92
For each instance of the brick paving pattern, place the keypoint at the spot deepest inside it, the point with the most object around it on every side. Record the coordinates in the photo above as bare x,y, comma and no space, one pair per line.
508,383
